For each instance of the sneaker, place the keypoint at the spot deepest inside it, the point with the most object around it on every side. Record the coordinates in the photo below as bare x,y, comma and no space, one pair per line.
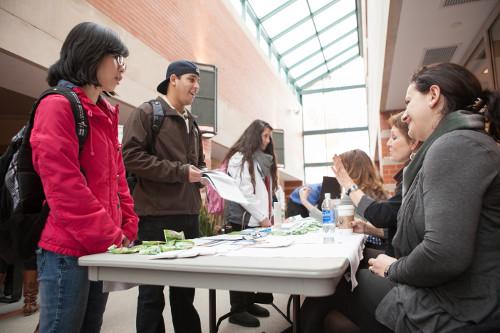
257,310
244,319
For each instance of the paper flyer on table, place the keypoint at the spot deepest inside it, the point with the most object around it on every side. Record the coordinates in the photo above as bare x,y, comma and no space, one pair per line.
225,186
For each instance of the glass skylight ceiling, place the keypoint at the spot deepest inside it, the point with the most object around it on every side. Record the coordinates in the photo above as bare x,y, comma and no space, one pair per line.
309,38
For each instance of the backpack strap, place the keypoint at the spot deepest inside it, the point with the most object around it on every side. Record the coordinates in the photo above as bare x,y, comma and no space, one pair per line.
156,121
81,121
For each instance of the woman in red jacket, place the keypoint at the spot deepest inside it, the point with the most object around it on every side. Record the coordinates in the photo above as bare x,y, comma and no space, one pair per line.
86,190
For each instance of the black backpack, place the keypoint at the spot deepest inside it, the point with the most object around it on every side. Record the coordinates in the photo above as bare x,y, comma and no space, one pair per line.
156,122
23,210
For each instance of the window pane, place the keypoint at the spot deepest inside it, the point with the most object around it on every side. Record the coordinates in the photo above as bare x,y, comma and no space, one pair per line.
320,148
337,61
341,45
338,30
350,74
333,13
311,75
251,26
264,46
262,8
289,39
317,4
337,143
314,148
307,65
286,18
316,174
335,109
302,51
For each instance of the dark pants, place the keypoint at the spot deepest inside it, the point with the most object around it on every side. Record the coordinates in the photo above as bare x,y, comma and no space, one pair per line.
151,301
359,305
293,209
240,300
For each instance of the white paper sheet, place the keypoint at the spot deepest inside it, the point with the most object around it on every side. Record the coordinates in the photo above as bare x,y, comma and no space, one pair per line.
225,186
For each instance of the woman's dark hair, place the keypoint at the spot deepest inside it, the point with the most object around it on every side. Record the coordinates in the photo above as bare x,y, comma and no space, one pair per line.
248,143
461,91
82,51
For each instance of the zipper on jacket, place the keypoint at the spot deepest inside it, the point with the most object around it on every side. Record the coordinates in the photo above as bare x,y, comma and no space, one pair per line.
89,113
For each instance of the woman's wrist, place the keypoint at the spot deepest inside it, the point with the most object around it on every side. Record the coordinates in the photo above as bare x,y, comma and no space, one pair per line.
386,270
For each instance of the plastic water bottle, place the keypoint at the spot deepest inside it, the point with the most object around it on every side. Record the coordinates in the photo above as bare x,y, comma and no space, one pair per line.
328,220
277,213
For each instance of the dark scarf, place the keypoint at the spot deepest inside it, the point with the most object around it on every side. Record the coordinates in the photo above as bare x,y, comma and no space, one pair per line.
265,162
451,122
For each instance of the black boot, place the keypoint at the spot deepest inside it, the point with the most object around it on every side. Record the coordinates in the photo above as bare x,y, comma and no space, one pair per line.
258,310
244,319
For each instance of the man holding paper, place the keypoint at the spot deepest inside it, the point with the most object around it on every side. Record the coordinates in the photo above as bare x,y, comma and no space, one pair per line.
167,163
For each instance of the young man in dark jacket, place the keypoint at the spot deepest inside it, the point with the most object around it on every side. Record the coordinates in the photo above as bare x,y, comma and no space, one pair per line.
167,165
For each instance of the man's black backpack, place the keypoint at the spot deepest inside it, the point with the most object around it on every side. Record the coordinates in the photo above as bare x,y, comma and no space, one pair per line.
156,122
23,210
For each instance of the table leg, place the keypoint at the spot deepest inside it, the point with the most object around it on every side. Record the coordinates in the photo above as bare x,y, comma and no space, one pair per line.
296,314
212,311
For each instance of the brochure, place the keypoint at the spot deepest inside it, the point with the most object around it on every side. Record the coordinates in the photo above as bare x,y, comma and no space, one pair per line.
225,186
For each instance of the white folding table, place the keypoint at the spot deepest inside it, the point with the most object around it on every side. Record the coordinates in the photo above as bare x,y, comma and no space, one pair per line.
295,276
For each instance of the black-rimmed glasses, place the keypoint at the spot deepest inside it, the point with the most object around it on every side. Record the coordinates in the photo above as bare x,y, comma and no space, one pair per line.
120,61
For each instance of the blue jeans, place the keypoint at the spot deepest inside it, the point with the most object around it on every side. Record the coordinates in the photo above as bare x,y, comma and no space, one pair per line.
69,302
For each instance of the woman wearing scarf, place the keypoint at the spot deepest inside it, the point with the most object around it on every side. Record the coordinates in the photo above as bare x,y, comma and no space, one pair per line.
446,273
251,162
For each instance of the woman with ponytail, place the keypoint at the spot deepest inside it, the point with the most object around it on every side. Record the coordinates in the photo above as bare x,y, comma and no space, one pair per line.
445,275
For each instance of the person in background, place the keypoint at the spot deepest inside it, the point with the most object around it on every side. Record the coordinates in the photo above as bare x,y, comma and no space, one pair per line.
167,194
90,204
295,207
252,163
380,214
360,167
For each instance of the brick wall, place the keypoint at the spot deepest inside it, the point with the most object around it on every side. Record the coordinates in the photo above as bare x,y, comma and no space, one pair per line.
206,32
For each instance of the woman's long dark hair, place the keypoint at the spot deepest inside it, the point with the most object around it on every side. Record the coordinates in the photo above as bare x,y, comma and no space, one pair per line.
82,51
461,91
248,143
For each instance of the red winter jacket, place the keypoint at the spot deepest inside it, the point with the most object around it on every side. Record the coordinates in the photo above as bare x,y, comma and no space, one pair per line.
92,210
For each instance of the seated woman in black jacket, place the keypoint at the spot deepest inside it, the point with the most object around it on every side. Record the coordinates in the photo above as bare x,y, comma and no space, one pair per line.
381,214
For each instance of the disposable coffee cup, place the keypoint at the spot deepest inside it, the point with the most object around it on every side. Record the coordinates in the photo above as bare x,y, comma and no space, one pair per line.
345,215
